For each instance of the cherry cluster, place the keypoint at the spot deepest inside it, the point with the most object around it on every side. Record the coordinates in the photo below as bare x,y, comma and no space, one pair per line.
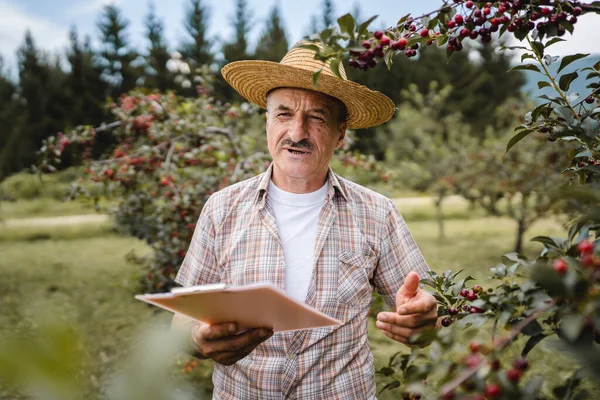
589,260
476,20
478,355
464,309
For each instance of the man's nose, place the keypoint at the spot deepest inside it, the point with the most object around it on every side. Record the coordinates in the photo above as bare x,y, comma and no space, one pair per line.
299,129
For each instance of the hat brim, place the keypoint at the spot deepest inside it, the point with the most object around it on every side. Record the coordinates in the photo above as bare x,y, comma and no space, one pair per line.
253,79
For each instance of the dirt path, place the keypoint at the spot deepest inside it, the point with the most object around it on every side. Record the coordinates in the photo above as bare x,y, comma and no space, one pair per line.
55,221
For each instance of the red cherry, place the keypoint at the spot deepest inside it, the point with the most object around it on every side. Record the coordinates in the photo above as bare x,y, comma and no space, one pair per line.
513,375
521,364
458,19
474,347
577,11
464,32
471,295
560,266
469,4
477,289
585,247
493,390
589,99
384,40
451,24
486,11
446,322
378,35
424,32
464,292
545,11
501,9
366,44
452,311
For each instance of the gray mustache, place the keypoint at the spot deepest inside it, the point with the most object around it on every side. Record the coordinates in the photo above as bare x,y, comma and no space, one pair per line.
303,144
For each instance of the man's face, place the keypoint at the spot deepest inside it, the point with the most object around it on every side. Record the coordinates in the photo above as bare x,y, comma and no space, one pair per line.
302,133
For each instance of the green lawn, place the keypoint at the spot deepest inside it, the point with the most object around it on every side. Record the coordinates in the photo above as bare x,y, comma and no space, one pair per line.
79,275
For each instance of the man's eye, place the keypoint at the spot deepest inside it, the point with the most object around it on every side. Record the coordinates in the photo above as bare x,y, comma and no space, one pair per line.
284,115
316,118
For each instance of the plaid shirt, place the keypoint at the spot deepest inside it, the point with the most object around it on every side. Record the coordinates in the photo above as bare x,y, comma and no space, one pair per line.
362,242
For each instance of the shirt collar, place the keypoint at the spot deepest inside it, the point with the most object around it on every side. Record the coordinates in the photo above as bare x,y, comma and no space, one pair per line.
334,186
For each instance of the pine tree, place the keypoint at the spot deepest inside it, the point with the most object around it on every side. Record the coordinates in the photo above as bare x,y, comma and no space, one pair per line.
8,105
41,108
238,49
120,70
196,25
273,44
85,87
157,74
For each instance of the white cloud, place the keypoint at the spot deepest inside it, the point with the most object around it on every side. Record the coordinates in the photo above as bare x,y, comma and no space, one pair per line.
13,24
585,39
90,7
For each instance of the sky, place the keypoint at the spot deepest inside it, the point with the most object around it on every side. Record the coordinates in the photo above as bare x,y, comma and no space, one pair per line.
51,20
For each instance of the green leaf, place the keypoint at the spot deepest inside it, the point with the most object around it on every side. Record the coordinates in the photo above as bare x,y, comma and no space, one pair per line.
403,19
568,26
389,386
565,81
315,77
517,138
538,47
591,127
526,56
526,67
585,153
554,40
362,29
335,67
543,84
346,23
389,59
557,243
538,110
571,325
569,59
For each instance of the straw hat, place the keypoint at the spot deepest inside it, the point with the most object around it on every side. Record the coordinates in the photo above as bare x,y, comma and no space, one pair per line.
253,79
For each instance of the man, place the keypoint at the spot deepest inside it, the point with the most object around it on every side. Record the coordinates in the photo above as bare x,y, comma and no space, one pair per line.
323,239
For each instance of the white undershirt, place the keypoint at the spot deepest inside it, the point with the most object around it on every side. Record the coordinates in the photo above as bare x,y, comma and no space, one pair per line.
297,216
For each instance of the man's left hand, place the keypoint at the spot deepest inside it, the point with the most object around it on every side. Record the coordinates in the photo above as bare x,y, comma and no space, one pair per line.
416,310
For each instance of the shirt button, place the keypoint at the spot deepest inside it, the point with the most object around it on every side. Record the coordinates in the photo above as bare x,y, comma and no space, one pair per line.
290,356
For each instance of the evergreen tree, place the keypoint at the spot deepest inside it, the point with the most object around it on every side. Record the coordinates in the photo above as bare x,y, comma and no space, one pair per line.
41,109
157,74
196,25
120,71
273,44
238,49
8,105
85,87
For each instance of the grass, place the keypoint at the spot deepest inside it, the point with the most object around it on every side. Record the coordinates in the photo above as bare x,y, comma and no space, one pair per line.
80,273
43,207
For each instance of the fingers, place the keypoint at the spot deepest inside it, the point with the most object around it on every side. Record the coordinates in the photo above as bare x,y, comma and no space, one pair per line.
420,305
211,332
409,288
413,321
227,347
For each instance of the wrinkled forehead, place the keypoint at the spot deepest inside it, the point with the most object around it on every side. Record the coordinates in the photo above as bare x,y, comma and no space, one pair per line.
290,97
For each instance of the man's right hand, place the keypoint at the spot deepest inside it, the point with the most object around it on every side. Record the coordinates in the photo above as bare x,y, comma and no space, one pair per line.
224,344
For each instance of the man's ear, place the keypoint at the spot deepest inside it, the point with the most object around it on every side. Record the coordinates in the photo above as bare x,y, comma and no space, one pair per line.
340,141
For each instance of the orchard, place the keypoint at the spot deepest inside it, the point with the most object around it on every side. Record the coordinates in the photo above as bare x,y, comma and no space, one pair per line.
171,154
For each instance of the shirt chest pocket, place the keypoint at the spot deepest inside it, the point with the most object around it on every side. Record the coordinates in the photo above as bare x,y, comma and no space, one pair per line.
354,286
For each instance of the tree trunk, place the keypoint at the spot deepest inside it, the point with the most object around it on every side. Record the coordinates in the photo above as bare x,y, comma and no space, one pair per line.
520,231
440,215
